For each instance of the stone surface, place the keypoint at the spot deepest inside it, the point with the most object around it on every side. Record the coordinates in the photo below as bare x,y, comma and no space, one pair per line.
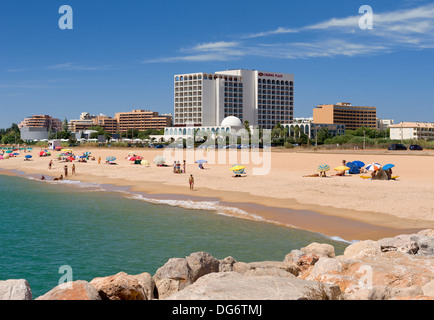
362,249
235,286
201,263
227,264
270,267
320,249
15,290
76,290
123,286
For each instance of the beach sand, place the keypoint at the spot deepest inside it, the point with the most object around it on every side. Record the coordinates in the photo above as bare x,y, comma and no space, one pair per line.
348,206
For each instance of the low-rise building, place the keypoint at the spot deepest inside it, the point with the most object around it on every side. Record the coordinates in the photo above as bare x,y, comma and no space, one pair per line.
142,120
412,130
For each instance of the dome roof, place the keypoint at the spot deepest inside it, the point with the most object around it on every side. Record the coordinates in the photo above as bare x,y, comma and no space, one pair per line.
231,121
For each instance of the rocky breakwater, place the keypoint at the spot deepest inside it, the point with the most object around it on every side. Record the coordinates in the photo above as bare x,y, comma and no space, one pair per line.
401,267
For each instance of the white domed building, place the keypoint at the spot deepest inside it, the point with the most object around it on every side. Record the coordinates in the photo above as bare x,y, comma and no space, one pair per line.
229,124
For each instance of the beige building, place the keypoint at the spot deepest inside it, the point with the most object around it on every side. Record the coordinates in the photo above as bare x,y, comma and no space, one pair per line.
42,121
142,120
352,117
412,130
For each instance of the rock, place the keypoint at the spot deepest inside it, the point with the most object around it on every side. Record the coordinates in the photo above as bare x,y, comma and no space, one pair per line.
385,293
185,271
326,265
402,243
201,263
425,244
294,256
426,232
15,290
177,271
125,287
76,290
235,286
428,289
362,249
320,249
267,267
227,264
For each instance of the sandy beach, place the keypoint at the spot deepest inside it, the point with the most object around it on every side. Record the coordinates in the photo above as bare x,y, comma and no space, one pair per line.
348,206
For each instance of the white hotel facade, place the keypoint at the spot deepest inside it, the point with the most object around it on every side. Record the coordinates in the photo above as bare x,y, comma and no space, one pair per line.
206,99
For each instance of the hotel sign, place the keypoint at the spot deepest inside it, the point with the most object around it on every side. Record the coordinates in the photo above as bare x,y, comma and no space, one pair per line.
275,75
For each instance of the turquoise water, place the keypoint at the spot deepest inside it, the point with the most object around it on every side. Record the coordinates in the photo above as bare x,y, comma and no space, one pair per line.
45,226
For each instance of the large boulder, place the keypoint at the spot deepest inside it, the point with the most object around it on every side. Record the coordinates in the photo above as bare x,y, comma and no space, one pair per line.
179,273
76,290
201,263
123,286
362,249
15,290
227,264
235,286
401,243
320,249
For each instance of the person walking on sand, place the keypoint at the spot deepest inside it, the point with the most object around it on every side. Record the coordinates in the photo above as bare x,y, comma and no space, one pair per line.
73,169
183,167
191,182
50,164
65,168
99,160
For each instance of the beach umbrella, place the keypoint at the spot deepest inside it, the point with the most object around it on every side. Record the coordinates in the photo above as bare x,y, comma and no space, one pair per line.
9,151
159,160
237,167
82,157
42,153
132,158
71,158
358,163
1,158
323,167
388,166
201,161
373,167
342,168
28,157
110,159
146,162
139,158
87,153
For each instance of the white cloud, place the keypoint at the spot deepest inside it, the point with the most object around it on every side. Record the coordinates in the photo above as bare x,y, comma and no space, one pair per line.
411,28
69,66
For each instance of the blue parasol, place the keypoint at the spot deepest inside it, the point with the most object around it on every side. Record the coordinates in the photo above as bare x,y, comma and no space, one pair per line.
388,166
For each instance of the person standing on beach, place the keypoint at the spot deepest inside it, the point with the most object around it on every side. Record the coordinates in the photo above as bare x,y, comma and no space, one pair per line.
73,169
50,164
191,182
183,167
66,170
99,160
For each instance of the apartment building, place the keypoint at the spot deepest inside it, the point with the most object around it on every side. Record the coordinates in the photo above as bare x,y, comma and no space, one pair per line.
42,121
142,120
352,117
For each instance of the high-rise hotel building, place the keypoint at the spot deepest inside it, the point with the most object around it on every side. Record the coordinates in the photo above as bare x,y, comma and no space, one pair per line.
261,98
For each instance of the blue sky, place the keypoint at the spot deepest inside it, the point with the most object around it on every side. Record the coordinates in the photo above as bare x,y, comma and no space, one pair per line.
122,55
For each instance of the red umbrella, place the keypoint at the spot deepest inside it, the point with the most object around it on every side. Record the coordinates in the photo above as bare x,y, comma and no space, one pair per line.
42,153
71,159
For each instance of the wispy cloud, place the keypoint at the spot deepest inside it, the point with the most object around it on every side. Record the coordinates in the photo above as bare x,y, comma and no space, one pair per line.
69,66
410,28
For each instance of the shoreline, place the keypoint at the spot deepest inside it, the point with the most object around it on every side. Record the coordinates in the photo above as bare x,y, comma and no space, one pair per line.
299,216
346,207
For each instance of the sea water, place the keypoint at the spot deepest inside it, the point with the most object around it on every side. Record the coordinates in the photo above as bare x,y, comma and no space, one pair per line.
45,226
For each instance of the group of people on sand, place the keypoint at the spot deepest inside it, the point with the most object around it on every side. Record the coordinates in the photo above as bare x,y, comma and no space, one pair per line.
177,167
